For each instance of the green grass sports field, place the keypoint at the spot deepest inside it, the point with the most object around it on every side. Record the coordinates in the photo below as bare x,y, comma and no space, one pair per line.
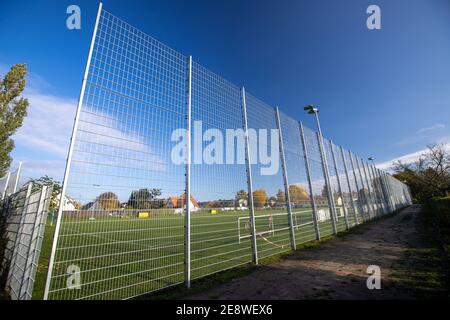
111,256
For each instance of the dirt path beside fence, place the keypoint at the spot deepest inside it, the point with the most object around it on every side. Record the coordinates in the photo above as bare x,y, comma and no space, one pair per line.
336,269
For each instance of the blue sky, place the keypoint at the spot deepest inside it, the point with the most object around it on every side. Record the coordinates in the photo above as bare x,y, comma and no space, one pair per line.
384,93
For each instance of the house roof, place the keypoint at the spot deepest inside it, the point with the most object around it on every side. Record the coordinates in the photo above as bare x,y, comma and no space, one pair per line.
92,206
178,202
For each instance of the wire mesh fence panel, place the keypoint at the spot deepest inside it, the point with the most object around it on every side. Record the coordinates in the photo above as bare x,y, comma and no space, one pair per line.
398,194
354,186
11,211
122,227
378,190
362,189
37,241
407,192
372,192
392,189
220,229
387,178
25,232
3,185
28,244
271,214
302,212
12,182
339,201
318,183
346,185
368,189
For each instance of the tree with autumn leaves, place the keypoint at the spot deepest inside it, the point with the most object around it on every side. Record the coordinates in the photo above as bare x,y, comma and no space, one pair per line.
297,195
259,198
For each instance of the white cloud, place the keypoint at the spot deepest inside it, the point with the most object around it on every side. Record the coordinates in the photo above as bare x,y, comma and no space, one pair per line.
46,131
48,126
425,135
436,126
408,158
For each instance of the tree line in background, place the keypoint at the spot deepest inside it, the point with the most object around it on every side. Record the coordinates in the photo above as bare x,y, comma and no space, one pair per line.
150,198
429,176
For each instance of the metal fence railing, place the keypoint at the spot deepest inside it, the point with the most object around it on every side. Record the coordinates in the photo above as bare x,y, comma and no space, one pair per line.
23,216
10,182
174,174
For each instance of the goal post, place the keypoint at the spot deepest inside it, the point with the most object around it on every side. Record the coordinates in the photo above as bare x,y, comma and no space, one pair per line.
244,223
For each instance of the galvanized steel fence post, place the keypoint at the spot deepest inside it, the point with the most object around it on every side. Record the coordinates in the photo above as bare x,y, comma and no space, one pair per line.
308,174
285,180
16,183
187,223
249,179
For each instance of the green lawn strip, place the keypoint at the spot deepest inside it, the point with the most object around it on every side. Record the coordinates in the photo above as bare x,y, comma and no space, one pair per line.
424,270
44,258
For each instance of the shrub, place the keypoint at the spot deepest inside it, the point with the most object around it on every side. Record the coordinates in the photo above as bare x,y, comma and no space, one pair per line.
442,208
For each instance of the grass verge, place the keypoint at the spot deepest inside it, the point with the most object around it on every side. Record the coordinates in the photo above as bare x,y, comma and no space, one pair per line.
424,271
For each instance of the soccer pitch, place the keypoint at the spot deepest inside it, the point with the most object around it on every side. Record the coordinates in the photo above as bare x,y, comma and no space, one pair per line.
120,256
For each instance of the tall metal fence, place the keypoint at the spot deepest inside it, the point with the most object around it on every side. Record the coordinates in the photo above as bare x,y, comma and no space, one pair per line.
9,182
174,174
23,215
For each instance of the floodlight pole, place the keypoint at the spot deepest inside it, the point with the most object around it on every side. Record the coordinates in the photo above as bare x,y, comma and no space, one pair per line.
70,154
286,181
311,191
187,200
249,178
